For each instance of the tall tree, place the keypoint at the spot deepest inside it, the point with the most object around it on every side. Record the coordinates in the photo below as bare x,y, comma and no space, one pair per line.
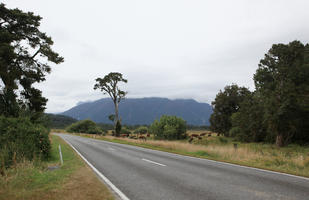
282,80
109,85
225,104
25,57
248,122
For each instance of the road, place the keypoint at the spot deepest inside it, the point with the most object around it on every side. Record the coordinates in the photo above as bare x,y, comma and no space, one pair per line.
144,174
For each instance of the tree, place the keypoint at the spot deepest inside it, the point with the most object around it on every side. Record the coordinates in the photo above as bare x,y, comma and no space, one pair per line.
109,85
141,130
248,122
111,117
282,80
169,128
84,126
225,104
25,57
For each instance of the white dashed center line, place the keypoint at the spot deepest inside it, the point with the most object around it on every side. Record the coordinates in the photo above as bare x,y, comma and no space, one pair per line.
153,162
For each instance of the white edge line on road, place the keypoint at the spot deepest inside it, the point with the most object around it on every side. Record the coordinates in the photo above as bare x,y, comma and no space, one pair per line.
205,159
223,163
108,182
150,161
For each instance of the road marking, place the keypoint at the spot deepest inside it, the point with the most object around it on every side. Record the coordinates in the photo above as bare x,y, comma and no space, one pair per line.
111,149
150,161
205,159
108,182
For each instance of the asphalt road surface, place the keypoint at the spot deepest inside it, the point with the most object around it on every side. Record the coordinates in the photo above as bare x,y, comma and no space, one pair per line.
144,174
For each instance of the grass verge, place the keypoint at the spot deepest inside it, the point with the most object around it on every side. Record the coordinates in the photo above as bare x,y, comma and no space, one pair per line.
73,180
293,159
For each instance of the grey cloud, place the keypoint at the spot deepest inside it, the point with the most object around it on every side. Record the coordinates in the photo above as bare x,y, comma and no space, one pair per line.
165,48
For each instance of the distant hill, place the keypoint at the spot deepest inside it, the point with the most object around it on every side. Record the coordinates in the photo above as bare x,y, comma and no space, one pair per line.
60,121
143,110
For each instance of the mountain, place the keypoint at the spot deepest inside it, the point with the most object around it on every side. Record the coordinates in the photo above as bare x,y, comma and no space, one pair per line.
143,110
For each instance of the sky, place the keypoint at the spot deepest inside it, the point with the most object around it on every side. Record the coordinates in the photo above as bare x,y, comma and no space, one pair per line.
165,48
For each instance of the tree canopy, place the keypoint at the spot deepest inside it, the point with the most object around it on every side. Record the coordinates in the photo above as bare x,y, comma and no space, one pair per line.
109,85
277,111
169,128
282,80
25,58
225,104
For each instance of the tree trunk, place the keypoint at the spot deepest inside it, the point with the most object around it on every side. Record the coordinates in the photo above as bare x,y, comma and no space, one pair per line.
116,118
279,140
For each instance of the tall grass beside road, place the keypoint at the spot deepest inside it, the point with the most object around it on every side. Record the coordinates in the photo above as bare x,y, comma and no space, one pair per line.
292,159
33,180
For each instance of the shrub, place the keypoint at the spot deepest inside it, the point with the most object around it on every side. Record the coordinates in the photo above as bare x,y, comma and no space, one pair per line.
125,130
84,126
169,128
141,130
21,139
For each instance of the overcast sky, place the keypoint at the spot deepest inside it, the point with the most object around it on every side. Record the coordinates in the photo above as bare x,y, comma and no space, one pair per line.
165,48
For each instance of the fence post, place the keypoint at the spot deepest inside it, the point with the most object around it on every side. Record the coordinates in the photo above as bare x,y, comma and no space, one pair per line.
61,160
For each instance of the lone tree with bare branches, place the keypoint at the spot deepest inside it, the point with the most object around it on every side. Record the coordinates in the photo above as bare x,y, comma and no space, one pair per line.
109,85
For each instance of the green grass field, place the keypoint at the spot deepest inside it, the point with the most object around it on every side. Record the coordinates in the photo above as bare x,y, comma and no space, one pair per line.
73,180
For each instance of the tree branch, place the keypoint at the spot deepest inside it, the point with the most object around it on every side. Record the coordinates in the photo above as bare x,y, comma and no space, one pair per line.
36,53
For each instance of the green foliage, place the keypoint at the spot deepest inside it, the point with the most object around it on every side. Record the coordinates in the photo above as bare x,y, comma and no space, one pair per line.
106,127
248,122
169,128
198,128
109,85
141,130
125,130
283,84
21,139
25,54
111,117
84,126
59,121
278,110
225,104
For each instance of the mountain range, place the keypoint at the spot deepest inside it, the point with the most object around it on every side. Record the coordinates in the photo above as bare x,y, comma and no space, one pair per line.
143,110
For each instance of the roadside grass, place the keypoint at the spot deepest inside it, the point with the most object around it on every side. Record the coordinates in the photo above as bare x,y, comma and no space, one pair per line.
292,159
73,180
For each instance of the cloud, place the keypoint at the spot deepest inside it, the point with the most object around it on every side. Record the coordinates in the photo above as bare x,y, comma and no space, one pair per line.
165,48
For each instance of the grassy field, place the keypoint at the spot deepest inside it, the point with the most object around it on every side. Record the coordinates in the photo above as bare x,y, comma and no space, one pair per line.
293,159
73,180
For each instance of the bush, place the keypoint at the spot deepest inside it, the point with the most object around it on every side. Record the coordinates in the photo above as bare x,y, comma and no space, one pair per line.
141,130
125,130
169,128
84,126
21,139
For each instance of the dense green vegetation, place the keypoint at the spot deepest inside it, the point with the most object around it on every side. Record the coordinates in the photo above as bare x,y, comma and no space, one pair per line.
141,130
84,126
32,181
25,58
20,46
106,126
277,111
59,121
20,139
225,104
169,128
